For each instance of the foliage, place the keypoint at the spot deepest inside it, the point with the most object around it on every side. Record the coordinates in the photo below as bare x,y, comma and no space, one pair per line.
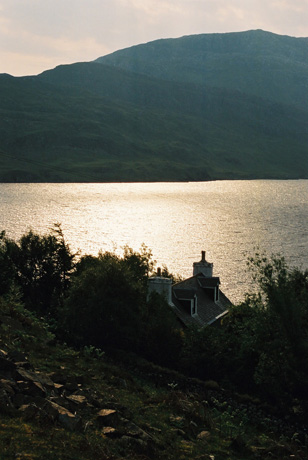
262,344
101,302
104,303
160,337
40,266
107,306
19,327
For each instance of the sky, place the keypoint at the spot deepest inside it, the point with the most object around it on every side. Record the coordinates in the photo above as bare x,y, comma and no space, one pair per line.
36,35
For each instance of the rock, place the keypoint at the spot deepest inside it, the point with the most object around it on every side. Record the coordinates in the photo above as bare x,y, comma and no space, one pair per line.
204,436
31,388
20,399
110,432
71,387
107,416
59,400
35,377
135,431
23,364
179,432
211,385
58,377
70,421
29,411
9,386
176,420
17,356
6,364
79,400
6,406
44,380
153,429
64,416
58,387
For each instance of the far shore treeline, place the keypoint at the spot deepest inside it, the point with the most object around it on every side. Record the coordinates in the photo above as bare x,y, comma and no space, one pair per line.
101,302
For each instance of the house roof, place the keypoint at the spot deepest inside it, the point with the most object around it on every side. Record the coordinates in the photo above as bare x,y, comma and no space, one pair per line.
208,310
208,282
184,294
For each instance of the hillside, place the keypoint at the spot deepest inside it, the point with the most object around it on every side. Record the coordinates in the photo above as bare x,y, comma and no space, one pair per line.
59,403
255,62
206,107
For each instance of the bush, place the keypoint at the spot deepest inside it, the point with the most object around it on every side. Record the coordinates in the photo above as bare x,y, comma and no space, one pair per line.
40,266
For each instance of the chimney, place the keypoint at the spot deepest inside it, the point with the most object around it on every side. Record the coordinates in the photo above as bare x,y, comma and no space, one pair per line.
161,285
204,267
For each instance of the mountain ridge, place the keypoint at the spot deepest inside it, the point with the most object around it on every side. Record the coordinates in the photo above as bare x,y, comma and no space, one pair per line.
111,120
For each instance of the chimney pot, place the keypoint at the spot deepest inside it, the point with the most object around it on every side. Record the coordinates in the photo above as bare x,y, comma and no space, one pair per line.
158,271
203,256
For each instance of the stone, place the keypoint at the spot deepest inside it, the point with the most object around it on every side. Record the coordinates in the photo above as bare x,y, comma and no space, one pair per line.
107,416
79,400
6,406
36,377
211,385
6,364
135,431
44,380
17,356
58,377
29,411
70,421
23,364
58,386
9,386
176,420
20,399
31,388
110,432
204,436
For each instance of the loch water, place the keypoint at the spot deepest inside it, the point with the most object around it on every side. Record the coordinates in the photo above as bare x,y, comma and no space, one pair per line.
228,219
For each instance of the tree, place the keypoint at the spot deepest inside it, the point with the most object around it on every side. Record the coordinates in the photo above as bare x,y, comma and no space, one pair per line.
7,272
104,303
40,266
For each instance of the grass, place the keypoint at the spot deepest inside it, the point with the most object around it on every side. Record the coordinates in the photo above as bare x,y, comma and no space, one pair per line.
173,416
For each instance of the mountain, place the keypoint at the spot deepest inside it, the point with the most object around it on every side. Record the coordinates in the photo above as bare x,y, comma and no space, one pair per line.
213,106
256,63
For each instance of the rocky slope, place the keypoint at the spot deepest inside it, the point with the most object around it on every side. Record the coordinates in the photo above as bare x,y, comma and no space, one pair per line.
57,403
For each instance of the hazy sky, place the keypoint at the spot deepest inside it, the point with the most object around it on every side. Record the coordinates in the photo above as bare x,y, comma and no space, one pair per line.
36,35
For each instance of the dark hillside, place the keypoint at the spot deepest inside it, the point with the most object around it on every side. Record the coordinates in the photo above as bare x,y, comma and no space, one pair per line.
254,62
220,106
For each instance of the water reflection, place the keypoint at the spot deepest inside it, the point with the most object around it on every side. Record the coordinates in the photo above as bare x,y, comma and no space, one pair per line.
176,220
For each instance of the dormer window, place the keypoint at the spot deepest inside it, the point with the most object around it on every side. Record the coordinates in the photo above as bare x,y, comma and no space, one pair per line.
210,286
188,299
